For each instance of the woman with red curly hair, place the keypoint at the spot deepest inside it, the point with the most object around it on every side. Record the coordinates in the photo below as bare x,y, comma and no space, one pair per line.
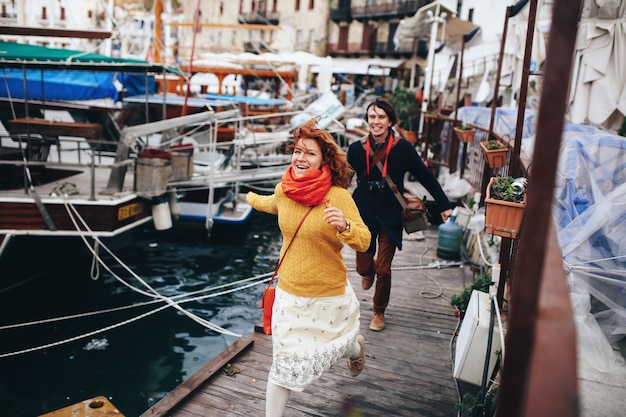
315,319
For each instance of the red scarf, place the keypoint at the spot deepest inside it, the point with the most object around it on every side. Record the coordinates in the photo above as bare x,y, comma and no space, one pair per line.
310,188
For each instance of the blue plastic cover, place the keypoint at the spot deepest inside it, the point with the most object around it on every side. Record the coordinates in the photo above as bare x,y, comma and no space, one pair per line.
70,84
589,210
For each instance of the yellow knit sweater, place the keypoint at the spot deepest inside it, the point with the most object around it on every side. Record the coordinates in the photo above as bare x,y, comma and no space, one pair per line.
314,266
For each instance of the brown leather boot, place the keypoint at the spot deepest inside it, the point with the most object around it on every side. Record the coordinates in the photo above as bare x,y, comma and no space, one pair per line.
378,322
367,282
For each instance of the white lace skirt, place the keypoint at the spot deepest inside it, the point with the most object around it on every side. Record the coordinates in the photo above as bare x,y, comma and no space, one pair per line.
310,334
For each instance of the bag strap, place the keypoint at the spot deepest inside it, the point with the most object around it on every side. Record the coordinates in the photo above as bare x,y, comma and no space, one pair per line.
288,246
393,188
379,155
390,183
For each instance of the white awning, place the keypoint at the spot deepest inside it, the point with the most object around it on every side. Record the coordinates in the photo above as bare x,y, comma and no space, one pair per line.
362,66
419,25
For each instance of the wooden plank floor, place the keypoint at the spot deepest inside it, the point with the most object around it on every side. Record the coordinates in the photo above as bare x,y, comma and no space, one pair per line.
408,369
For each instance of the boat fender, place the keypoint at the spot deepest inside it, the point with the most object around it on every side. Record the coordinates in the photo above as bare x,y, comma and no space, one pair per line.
174,205
161,215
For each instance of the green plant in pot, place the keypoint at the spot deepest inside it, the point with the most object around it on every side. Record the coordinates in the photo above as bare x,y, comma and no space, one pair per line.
504,206
493,145
505,189
495,153
407,109
465,133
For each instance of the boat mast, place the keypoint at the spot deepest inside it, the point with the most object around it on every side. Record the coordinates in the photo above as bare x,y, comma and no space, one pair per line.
157,40
193,48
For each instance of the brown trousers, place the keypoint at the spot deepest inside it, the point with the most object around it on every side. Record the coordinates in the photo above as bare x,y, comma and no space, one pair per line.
380,268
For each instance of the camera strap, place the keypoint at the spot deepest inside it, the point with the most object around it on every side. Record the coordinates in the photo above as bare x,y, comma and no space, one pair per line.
366,142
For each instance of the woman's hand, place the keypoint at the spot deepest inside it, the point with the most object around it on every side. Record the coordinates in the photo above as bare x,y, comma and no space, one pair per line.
249,195
335,217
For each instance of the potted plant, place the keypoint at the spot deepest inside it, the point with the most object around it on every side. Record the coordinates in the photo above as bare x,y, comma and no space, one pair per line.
465,133
495,152
460,301
504,206
430,115
408,112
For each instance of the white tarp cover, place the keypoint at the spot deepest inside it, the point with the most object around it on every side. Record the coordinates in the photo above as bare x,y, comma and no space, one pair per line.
298,60
419,25
589,211
515,48
361,66
598,89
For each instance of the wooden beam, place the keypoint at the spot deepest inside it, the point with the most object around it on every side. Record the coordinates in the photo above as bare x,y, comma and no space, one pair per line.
55,128
55,33
245,71
168,403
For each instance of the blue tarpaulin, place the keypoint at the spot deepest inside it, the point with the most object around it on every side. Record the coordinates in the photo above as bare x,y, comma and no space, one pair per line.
70,84
589,211
63,74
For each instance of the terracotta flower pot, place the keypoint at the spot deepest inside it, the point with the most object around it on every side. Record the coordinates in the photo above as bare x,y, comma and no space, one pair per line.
409,135
502,218
496,158
465,135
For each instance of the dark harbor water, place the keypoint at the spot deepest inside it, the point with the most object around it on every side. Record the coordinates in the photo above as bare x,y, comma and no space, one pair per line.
136,363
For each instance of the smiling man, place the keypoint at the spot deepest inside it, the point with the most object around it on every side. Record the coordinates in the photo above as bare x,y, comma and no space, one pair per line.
379,208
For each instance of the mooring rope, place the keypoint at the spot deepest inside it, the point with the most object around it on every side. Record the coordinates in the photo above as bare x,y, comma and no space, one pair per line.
153,292
113,326
254,280
94,272
173,301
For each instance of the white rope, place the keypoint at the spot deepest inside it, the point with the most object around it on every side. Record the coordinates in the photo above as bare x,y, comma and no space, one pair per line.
95,262
154,293
428,294
497,307
255,280
122,323
577,266
480,249
61,342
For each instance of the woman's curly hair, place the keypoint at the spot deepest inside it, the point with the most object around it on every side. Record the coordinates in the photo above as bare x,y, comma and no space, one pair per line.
332,155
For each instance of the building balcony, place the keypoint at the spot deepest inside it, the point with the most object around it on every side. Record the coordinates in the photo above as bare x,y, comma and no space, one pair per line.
8,20
380,49
255,47
260,18
352,50
388,11
341,14
388,50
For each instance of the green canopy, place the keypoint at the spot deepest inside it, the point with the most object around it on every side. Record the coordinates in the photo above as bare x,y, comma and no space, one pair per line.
17,55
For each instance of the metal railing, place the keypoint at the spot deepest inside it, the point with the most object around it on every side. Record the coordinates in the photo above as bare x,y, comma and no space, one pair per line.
541,344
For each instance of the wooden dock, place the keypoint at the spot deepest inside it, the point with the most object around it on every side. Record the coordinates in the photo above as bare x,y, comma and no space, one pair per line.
408,370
